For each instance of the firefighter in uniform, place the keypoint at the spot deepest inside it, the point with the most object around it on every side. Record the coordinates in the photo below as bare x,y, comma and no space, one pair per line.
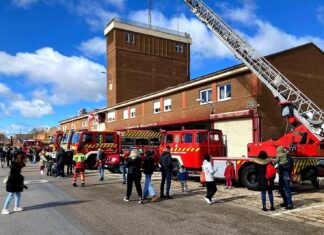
79,167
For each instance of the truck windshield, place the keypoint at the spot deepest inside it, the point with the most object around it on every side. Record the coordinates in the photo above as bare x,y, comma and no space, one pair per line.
65,138
75,138
53,139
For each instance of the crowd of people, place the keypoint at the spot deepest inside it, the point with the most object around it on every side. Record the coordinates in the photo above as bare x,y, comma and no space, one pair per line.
134,165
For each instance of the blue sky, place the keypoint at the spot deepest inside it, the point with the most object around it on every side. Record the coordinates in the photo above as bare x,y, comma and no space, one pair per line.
52,52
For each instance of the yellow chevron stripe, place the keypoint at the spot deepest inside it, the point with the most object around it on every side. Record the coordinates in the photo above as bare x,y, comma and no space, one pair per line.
197,149
238,162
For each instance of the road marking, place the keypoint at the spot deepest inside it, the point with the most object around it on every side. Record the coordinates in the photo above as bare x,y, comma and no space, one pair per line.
219,199
35,181
298,209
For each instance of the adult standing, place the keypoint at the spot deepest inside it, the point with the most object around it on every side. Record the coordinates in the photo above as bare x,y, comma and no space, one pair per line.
79,168
264,185
60,160
134,175
15,184
209,171
148,167
8,157
101,156
284,167
166,170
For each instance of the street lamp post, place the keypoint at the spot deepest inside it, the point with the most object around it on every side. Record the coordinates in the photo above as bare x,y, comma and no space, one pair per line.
212,106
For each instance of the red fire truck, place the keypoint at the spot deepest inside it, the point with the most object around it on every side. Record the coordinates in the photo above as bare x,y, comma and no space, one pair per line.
305,140
88,143
142,140
56,141
188,147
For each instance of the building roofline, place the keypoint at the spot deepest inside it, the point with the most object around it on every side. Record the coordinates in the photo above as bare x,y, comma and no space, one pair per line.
236,69
148,30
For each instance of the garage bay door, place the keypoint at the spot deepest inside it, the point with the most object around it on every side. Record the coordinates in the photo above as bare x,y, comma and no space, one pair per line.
239,133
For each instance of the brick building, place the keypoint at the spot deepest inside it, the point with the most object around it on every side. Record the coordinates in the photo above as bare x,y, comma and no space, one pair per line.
236,102
140,54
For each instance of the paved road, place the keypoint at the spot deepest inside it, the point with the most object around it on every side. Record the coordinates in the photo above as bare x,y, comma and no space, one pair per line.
54,207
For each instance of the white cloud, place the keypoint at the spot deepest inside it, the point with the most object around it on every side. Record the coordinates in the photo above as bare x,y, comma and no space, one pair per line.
118,3
94,47
16,103
320,14
24,3
266,39
67,79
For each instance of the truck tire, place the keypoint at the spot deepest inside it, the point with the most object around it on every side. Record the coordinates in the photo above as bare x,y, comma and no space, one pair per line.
176,168
91,161
248,177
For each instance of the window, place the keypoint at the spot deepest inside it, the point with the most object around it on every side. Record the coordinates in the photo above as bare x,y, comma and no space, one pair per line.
75,138
84,123
132,112
214,137
179,47
87,138
99,138
127,141
111,116
187,138
201,137
109,138
125,114
168,139
167,105
224,92
157,107
129,37
206,96
72,125
94,121
142,141
155,142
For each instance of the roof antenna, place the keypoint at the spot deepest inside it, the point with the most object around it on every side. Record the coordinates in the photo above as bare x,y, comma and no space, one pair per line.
149,6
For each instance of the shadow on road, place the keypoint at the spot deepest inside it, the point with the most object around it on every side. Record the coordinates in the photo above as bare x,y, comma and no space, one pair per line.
53,204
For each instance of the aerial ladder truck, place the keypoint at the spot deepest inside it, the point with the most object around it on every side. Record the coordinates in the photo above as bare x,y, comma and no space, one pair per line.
306,118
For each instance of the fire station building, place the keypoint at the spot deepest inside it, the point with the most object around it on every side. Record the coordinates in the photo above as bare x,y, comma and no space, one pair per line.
148,87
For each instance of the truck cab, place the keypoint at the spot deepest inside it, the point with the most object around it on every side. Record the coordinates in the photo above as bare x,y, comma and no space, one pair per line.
188,147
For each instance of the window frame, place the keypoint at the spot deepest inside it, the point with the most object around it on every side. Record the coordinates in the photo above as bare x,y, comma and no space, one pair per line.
114,116
225,92
207,92
179,47
154,107
129,37
124,112
167,107
132,112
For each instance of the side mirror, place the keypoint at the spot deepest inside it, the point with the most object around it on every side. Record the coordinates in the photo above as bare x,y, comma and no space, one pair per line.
287,110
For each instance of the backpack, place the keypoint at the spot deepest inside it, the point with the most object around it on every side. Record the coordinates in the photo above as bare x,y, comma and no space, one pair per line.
270,171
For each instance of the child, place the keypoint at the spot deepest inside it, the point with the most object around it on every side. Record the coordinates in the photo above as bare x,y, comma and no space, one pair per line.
41,162
49,166
183,177
229,174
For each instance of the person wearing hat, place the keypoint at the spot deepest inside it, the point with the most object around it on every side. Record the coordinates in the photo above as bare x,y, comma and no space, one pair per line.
166,170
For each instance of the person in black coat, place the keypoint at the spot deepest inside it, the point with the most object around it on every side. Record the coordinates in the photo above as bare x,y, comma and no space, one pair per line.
15,184
134,175
264,185
60,159
166,170
149,167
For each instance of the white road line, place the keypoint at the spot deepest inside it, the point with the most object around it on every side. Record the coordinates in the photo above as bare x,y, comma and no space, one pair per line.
218,199
299,209
35,181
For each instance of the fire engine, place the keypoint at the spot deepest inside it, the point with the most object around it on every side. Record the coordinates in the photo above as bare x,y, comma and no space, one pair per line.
55,141
188,147
88,143
305,139
28,144
141,140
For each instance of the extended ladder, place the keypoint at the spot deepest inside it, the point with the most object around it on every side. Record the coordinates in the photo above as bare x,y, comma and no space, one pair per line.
307,112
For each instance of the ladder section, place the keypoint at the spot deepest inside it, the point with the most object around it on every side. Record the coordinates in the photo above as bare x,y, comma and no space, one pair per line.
306,111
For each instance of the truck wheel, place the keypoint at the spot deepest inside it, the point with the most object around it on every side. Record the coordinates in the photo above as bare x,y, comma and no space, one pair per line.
176,167
248,177
91,161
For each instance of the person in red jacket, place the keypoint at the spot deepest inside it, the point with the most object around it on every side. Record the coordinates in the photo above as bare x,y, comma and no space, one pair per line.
229,174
